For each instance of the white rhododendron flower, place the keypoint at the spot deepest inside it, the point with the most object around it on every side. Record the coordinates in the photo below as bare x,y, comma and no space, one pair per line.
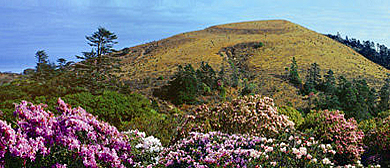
152,144
283,149
326,161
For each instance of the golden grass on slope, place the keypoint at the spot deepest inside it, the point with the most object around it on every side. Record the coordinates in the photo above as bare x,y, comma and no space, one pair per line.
7,77
282,41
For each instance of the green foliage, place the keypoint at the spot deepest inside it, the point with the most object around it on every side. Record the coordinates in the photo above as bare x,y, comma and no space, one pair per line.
258,45
234,81
125,111
248,88
354,97
97,68
26,89
313,79
293,75
83,99
118,109
187,84
184,87
384,98
222,93
206,74
44,69
292,113
384,114
63,64
329,84
368,127
132,111
326,101
102,41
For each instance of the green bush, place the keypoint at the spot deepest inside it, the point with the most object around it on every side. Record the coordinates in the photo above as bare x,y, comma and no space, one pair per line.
7,109
293,114
126,111
118,109
182,89
384,114
188,84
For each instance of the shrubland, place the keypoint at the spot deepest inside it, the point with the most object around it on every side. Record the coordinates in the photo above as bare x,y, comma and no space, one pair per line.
216,119
72,137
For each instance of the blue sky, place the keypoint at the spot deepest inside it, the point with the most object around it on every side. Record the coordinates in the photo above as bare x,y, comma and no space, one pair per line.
59,26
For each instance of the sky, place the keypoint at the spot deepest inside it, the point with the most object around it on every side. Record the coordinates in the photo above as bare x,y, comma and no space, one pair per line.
59,26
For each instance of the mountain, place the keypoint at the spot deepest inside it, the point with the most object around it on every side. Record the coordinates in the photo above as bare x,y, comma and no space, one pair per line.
281,41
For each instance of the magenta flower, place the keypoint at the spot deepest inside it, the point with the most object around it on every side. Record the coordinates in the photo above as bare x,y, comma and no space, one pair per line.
97,143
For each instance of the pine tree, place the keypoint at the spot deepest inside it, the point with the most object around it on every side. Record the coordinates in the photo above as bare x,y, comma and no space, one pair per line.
98,67
384,95
372,102
44,68
207,75
329,99
293,75
222,76
329,84
347,96
362,107
234,82
63,63
184,87
313,79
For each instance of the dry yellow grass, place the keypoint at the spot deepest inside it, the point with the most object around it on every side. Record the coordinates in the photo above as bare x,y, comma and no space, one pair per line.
282,41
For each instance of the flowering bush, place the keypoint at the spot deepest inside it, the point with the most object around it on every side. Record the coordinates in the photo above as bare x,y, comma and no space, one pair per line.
331,127
382,134
377,140
147,149
216,149
247,115
75,138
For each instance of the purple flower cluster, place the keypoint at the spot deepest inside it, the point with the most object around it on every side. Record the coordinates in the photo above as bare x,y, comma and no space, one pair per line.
37,131
26,141
211,149
7,137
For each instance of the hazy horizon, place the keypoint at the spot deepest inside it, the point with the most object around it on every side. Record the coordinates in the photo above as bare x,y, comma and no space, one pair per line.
60,27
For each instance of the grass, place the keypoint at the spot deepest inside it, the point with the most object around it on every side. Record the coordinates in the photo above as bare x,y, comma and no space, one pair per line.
7,77
282,40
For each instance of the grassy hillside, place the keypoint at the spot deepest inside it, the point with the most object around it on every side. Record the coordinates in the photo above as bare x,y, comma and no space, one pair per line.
7,77
282,40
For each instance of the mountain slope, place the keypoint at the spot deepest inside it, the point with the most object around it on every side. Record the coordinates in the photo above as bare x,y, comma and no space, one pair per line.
282,40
